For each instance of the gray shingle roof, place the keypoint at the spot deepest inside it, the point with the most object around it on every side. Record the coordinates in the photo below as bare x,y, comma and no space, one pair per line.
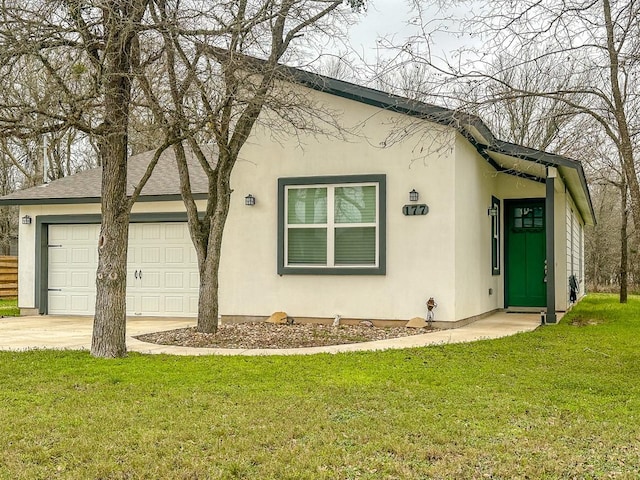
86,186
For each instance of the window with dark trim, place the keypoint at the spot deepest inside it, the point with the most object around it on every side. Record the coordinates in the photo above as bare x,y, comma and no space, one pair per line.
495,236
332,225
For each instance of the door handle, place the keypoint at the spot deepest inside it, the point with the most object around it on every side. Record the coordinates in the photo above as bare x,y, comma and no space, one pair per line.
140,274
136,274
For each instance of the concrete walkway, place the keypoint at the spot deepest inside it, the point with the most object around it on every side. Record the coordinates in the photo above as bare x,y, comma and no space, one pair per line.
74,333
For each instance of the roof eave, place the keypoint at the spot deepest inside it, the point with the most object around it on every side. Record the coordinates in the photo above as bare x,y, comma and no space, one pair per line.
86,200
578,186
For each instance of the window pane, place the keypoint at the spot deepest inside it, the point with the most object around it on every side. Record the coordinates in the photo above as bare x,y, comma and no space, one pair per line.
355,246
307,246
307,205
355,204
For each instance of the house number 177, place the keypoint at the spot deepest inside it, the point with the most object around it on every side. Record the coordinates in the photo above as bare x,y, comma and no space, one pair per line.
420,209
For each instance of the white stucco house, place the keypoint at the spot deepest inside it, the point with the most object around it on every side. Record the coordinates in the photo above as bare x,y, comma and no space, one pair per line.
418,201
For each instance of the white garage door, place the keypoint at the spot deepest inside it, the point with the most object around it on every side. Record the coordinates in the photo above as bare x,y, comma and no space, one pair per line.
162,271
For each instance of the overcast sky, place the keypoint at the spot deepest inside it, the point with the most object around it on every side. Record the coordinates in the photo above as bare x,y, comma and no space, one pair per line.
383,18
393,19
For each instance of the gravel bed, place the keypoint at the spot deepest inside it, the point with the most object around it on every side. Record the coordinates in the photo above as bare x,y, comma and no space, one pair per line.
269,335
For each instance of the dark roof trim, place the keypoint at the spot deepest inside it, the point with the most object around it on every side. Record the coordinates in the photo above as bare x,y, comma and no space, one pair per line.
387,101
526,153
85,200
544,158
459,120
482,151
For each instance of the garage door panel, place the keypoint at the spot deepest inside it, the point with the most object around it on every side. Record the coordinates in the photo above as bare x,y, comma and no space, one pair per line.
174,255
131,304
58,302
174,304
81,279
57,255
162,252
81,232
57,280
149,280
193,304
150,304
150,255
150,231
56,233
174,279
194,280
80,303
80,255
176,232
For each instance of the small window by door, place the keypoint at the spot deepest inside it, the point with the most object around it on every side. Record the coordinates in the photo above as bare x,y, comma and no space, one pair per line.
528,218
495,236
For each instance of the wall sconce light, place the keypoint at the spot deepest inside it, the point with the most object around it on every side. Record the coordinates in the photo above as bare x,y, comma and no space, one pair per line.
250,200
413,195
492,212
26,220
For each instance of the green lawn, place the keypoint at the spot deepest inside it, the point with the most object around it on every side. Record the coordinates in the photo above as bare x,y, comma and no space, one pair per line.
561,402
9,308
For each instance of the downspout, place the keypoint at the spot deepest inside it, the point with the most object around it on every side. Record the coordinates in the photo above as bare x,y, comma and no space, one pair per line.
549,205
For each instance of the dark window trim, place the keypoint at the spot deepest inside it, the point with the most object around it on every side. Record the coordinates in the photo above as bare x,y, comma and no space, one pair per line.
495,242
381,269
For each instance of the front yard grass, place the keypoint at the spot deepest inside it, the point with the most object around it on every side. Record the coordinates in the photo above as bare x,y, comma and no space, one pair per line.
9,307
560,402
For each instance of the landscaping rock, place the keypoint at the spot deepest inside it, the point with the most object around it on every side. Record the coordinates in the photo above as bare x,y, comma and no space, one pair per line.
279,318
269,335
416,322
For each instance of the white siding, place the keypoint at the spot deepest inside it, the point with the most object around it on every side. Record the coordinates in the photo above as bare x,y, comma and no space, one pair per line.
574,249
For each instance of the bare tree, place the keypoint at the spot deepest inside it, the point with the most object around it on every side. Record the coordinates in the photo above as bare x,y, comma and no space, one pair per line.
221,80
79,55
594,44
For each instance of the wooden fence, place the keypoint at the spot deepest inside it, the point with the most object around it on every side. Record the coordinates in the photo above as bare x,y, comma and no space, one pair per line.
8,277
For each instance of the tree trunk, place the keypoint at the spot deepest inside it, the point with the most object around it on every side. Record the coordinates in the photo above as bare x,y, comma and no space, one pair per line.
109,324
208,304
625,144
208,295
624,250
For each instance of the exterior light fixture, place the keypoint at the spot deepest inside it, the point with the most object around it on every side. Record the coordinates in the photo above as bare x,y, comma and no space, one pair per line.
26,220
413,195
250,200
492,212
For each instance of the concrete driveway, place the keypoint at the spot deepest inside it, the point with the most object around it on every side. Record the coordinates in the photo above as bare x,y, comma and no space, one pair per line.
74,333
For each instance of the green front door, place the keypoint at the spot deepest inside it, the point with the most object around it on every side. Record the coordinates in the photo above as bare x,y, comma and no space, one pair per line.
525,254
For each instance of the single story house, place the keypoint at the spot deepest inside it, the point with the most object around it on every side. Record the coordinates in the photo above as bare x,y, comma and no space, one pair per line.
414,201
